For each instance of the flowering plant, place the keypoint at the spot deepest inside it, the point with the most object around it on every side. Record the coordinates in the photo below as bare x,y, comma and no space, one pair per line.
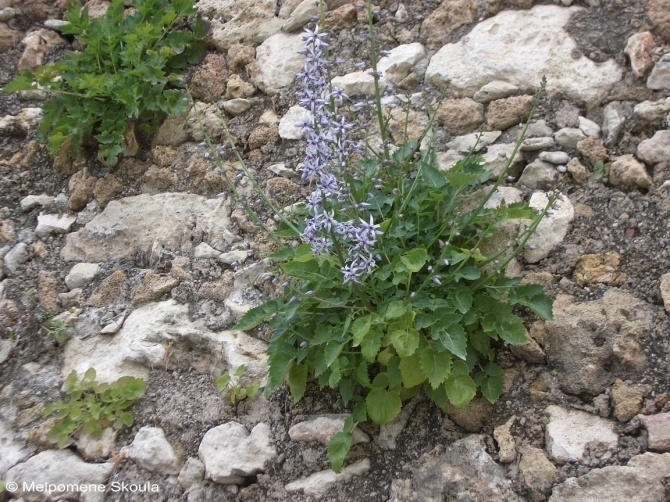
399,286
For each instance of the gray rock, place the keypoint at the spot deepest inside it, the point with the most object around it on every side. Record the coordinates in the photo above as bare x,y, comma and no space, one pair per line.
388,433
7,13
615,115
665,290
638,48
535,144
81,274
55,24
301,16
6,347
537,472
13,450
278,62
465,471
30,202
539,175
60,468
153,452
231,454
323,428
590,344
568,137
236,106
505,440
658,428
552,229
497,157
660,74
240,21
231,257
289,124
656,149
495,90
399,63
356,84
192,473
26,120
628,171
475,140
96,448
281,170
641,480
570,433
652,111
204,250
589,127
556,158
516,33
48,224
539,129
318,483
16,257
145,223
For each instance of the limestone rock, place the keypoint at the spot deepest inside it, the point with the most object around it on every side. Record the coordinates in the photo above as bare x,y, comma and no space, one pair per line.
322,429
665,290
16,257
539,175
48,224
152,287
627,401
534,44
60,467
656,149
289,125
146,223
627,171
638,49
356,84
96,448
593,150
568,137
552,229
318,483
22,123
469,141
660,74
589,127
278,62
240,21
209,82
537,472
578,172
495,90
497,156
615,115
535,144
658,427
30,202
153,452
472,417
301,16
399,63
505,113
237,88
388,433
449,16
13,450
556,158
570,432
36,45
460,116
111,290
600,268
590,344
231,454
652,111
236,106
505,440
640,480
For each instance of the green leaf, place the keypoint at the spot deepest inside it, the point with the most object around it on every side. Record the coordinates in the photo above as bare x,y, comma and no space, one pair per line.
395,309
452,338
405,341
332,351
280,363
469,273
410,368
512,330
436,366
415,259
297,381
22,82
256,316
492,388
222,383
371,344
347,387
362,376
308,270
382,405
463,300
432,176
359,328
438,396
460,389
381,380
338,447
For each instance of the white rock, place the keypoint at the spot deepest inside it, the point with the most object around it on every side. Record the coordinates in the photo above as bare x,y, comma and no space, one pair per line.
269,117
30,202
508,195
204,250
401,14
6,347
60,468
655,149
356,83
505,440
192,472
660,74
236,106
48,224
26,120
589,127
16,257
288,125
281,170
140,345
97,448
13,451
397,65
447,160
495,90
552,229
243,21
231,454
81,274
153,452
569,433
651,111
539,175
231,257
638,48
469,141
614,119
535,144
278,62
149,223
555,157
318,483
568,137
626,170
301,15
497,157
238,302
323,428
520,47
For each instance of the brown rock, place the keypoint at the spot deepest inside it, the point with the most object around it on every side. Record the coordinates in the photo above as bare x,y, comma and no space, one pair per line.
81,187
658,12
180,266
153,286
416,125
9,313
164,155
593,150
460,116
262,136
658,427
342,18
409,83
8,38
7,232
638,48
37,43
106,188
601,268
628,171
537,472
242,220
450,15
65,158
209,82
626,400
238,88
218,290
282,190
25,158
160,178
579,173
39,10
472,417
239,56
665,290
112,290
507,112
48,287
97,8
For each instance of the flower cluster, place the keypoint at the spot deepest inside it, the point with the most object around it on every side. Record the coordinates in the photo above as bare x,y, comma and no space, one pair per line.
329,147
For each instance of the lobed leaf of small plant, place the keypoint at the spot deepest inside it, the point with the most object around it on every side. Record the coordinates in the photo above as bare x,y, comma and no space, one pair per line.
126,79
237,393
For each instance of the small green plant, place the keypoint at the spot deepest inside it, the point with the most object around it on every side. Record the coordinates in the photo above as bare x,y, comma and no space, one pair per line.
601,170
58,330
237,393
93,406
126,79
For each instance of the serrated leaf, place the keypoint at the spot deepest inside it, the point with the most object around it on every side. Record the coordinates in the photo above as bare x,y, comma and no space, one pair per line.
256,316
452,338
338,447
438,396
432,176
371,344
415,260
359,328
491,388
463,300
410,369
297,381
511,329
347,387
381,380
436,366
395,309
362,376
405,341
382,405
460,389
332,351
280,362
